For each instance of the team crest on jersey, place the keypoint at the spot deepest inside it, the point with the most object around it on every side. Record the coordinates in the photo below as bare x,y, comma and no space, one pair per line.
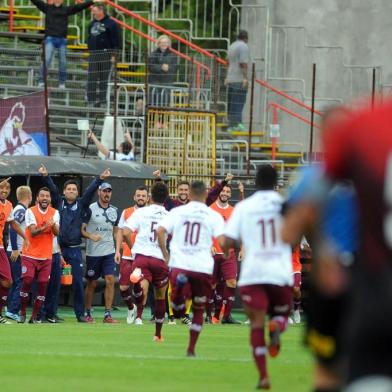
24,269
111,214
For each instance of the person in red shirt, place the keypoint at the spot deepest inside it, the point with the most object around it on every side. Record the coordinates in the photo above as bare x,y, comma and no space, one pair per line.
42,224
225,270
5,270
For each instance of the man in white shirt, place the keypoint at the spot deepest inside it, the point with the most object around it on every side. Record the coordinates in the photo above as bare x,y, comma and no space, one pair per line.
193,227
149,266
266,276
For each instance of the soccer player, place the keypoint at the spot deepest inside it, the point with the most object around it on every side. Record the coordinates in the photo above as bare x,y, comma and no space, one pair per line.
141,199
14,251
5,270
100,229
149,266
42,224
224,269
71,208
360,149
192,227
266,276
297,274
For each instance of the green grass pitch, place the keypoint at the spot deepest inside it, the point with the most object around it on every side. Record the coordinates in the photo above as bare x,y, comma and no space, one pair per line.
101,357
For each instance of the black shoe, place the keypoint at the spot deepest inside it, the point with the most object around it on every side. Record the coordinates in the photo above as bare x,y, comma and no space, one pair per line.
190,354
34,321
230,320
59,319
52,320
186,320
208,320
22,319
81,319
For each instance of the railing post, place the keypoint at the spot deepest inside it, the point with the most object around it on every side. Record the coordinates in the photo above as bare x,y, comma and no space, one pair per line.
252,89
46,94
373,87
274,137
115,103
198,83
11,15
312,112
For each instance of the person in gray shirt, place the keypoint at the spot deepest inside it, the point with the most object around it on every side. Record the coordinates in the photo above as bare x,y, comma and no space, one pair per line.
237,80
100,229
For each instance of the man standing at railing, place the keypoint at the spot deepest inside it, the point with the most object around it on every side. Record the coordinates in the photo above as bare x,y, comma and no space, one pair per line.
237,80
56,28
103,42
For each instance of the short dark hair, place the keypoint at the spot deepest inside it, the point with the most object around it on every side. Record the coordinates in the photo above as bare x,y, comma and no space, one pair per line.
71,182
227,186
266,177
43,189
141,188
198,188
126,147
159,192
242,35
101,6
183,182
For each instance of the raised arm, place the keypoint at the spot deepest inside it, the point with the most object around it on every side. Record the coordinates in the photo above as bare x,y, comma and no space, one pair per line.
74,9
217,188
98,144
48,182
88,194
42,6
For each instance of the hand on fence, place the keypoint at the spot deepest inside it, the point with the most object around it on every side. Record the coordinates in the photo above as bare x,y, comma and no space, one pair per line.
165,67
91,135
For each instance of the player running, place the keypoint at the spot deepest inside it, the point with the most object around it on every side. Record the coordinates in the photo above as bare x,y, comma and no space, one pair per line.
192,227
266,276
149,266
141,198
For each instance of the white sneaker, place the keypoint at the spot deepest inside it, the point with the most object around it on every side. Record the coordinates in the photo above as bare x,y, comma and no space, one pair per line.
62,86
131,315
247,322
290,320
297,316
138,321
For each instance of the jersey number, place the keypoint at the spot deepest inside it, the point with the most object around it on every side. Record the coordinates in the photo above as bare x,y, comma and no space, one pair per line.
192,233
153,236
267,227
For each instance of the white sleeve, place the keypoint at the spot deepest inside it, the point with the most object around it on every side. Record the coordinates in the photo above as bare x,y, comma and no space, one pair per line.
218,225
56,217
132,222
11,216
233,226
30,218
167,223
121,222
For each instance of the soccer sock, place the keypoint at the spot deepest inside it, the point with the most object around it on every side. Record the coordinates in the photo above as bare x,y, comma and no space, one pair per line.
259,350
282,322
195,329
228,300
3,297
139,299
107,313
209,304
297,304
218,304
40,299
159,315
126,295
24,294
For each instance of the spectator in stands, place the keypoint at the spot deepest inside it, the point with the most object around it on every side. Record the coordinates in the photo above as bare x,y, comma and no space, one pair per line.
237,80
162,71
124,152
56,28
103,43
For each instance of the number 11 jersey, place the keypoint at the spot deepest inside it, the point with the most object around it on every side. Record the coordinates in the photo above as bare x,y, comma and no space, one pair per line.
256,222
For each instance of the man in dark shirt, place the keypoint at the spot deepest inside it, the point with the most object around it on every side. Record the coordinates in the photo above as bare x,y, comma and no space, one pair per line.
103,42
56,28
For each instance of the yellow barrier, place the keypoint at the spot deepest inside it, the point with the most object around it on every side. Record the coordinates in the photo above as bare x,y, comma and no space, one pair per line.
181,143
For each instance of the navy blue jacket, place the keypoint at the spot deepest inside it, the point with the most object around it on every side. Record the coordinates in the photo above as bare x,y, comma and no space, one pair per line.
103,34
71,214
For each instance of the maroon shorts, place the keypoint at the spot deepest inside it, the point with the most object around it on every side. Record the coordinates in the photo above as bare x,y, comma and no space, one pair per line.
224,269
36,269
297,279
125,272
198,288
154,270
5,268
274,300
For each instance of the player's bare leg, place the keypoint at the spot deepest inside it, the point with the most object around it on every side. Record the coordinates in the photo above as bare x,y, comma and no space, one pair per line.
109,295
160,308
140,291
257,342
90,289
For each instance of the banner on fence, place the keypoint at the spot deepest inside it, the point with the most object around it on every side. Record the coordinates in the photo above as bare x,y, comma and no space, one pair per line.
23,125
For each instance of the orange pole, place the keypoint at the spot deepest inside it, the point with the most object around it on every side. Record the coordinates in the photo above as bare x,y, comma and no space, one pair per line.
11,16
